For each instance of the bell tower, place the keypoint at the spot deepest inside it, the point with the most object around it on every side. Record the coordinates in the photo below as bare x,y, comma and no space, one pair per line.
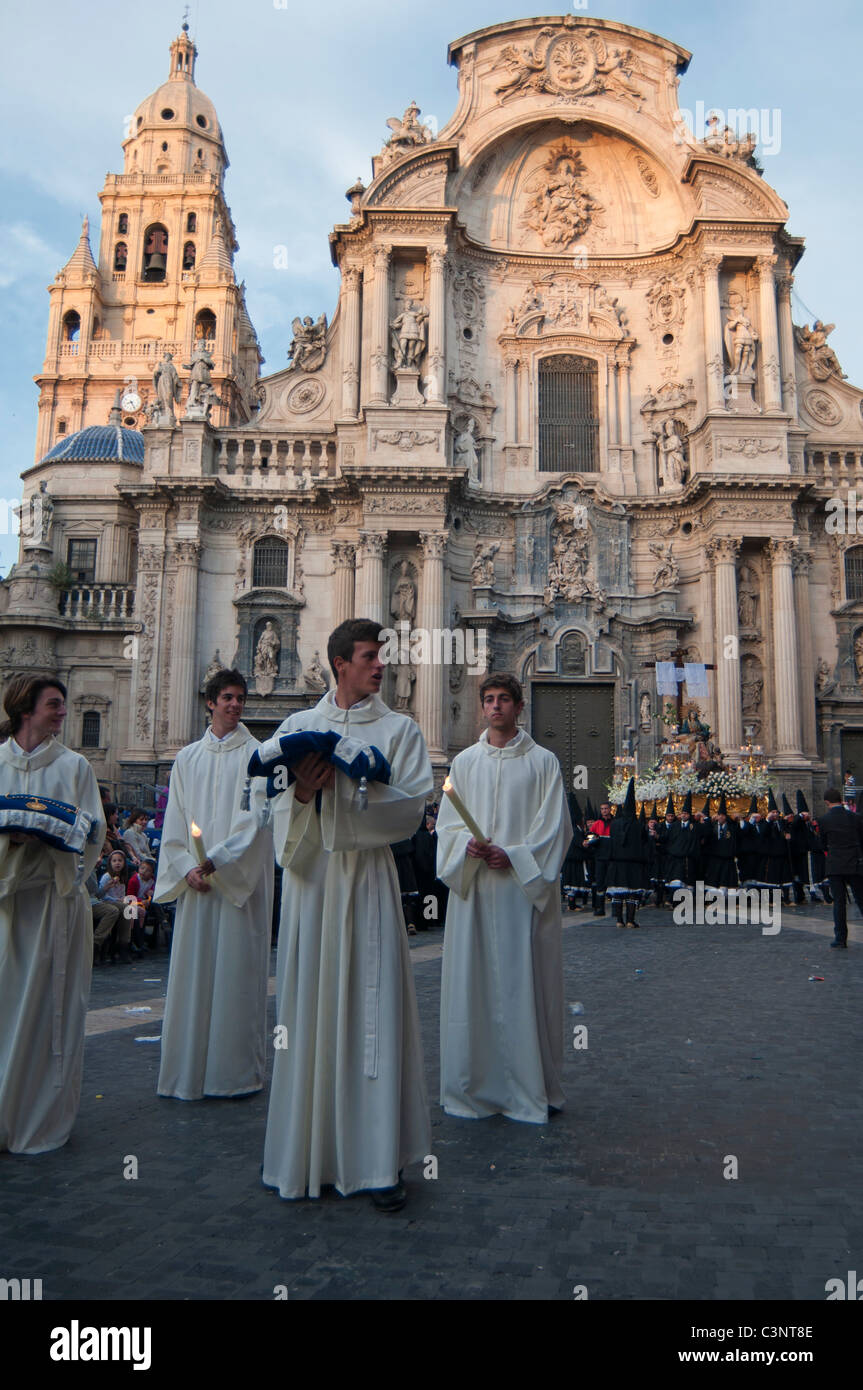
163,278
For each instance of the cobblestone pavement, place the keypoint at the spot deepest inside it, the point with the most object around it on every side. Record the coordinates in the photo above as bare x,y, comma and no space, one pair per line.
704,1044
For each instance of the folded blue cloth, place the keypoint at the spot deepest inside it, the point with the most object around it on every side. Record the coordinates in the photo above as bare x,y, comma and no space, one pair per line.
350,755
58,823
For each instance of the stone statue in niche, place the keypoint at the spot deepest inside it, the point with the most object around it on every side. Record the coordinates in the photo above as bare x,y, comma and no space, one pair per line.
405,677
409,336
200,381
404,601
266,666
823,676
465,451
672,455
740,342
645,718
858,655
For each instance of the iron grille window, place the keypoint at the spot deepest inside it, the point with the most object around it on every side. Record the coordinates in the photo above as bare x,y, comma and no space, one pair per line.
270,569
854,572
81,559
91,729
568,416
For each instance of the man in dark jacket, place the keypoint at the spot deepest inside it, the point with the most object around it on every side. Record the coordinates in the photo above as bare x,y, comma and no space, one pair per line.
842,838
598,845
682,849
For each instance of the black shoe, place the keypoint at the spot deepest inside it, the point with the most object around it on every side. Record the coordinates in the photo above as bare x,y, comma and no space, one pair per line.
125,956
843,945
389,1198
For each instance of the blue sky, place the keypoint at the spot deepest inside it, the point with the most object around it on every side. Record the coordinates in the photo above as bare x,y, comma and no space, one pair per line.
303,94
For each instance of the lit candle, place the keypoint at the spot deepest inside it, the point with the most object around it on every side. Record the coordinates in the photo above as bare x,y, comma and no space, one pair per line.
198,844
461,810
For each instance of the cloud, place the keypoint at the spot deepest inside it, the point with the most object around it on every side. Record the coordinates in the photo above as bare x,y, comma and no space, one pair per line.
25,254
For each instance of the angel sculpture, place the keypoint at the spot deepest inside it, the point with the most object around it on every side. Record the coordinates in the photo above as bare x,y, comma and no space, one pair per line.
668,573
308,350
523,65
408,132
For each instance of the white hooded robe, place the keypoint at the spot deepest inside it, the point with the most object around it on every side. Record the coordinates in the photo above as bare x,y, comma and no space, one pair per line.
46,955
502,982
348,1104
214,1029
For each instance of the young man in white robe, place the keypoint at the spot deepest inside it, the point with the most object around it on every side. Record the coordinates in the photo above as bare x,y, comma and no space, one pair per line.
348,1104
502,985
214,1029
46,927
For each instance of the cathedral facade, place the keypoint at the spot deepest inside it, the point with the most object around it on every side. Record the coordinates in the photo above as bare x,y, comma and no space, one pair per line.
560,422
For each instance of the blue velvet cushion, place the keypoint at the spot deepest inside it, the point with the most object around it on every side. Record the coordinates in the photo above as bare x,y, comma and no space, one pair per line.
59,824
349,755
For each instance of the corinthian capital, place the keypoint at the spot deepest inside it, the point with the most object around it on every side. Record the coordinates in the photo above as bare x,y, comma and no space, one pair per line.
434,544
344,554
781,552
723,550
372,543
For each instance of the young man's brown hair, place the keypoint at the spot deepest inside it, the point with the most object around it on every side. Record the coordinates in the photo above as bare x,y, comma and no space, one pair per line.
502,680
341,640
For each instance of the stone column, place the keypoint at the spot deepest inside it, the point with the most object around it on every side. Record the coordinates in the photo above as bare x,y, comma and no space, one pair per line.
786,664
351,346
344,556
786,344
613,436
625,405
183,646
381,326
430,673
511,401
370,577
524,392
723,553
710,263
801,564
139,646
769,335
437,326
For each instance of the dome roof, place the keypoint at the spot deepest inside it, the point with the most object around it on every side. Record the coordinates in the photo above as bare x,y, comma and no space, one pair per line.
190,110
99,443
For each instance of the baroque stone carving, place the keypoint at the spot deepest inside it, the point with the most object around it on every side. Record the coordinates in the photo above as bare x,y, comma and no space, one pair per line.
668,572
216,665
648,176
308,350
822,407
560,305
266,666
482,569
315,677
666,303
730,145
305,396
166,384
823,677
201,392
465,452
408,335
405,440
408,134
405,677
821,359
741,342
403,606
749,448
672,395
670,439
558,209
568,66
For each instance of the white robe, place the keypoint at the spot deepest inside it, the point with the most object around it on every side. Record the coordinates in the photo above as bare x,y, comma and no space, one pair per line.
46,956
214,1029
348,1103
502,982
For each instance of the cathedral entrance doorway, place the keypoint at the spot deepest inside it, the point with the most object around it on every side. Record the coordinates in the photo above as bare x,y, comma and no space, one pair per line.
576,721
852,754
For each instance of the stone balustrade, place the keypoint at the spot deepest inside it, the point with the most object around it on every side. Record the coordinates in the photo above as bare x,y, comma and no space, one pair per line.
260,457
97,603
835,466
153,180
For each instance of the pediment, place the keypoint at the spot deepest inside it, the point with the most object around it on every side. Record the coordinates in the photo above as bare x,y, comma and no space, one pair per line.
721,190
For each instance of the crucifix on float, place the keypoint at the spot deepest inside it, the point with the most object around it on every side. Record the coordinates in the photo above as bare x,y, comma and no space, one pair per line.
677,656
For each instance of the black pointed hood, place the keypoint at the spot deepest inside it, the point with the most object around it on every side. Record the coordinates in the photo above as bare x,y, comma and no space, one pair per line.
786,806
575,810
753,805
801,802
723,806
669,805
687,804
771,800
627,807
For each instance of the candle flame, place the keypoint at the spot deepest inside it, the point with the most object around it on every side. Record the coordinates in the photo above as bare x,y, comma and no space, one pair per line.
195,829
447,786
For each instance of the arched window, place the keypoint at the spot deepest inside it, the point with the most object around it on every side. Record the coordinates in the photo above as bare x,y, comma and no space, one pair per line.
123,224
189,256
270,564
205,324
121,254
91,729
192,222
71,326
568,415
155,253
854,572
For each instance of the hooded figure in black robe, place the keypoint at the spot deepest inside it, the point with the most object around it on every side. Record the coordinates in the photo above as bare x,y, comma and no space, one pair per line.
720,850
574,878
682,849
627,869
